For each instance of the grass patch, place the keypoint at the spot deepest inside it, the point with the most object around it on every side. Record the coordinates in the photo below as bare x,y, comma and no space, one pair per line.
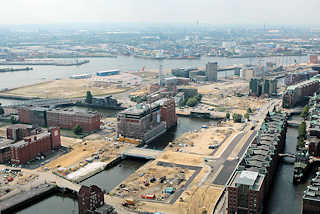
69,133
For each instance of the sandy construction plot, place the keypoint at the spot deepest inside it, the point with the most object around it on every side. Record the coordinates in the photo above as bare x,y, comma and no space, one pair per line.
65,88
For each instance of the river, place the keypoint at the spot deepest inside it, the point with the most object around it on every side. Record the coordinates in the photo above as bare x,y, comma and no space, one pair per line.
124,63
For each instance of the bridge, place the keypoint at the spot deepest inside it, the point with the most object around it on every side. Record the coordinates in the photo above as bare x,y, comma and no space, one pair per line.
294,123
149,154
45,102
289,155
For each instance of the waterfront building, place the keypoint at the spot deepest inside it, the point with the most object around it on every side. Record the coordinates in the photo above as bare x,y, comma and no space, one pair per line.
297,94
147,121
311,196
66,119
31,146
250,184
89,199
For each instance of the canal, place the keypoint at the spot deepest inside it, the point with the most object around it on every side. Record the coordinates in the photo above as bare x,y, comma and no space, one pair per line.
285,197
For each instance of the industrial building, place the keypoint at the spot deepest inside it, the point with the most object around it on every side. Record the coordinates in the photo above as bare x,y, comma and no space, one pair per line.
146,122
66,119
107,73
261,86
250,184
36,142
89,199
297,94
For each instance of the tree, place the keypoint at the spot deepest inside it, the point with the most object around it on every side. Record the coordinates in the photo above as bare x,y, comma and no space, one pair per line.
77,130
1,109
13,120
192,101
301,135
237,118
228,115
89,97
246,116
305,111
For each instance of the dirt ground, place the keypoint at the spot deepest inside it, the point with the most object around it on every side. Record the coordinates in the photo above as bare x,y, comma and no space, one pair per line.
82,150
65,88
198,142
222,96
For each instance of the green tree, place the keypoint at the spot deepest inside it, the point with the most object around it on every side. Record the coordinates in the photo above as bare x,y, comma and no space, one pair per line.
237,118
77,130
89,97
228,115
305,112
301,135
1,109
192,101
13,120
246,116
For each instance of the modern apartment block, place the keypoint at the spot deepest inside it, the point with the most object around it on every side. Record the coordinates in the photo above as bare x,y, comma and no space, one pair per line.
297,94
212,71
147,121
250,184
66,119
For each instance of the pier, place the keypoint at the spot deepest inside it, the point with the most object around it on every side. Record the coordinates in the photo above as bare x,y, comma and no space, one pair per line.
149,154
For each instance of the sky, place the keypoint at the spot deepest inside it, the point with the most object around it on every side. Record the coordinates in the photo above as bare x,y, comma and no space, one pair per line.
216,12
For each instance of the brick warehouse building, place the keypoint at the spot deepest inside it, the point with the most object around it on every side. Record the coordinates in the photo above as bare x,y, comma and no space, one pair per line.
90,198
18,131
147,121
31,146
65,119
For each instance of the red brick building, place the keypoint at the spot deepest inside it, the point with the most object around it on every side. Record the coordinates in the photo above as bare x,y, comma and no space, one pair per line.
90,198
314,59
18,131
28,148
168,112
69,119
5,150
66,119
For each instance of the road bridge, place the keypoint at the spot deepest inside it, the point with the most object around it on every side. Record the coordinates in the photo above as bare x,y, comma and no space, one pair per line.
149,154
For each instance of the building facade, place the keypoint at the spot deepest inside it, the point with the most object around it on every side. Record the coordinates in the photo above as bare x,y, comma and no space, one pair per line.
250,184
66,119
32,146
211,71
89,199
147,121
297,94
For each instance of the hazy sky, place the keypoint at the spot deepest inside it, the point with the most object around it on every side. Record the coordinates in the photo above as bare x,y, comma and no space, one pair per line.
175,11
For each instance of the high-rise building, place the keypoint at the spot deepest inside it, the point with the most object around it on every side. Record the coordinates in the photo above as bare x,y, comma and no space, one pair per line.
211,71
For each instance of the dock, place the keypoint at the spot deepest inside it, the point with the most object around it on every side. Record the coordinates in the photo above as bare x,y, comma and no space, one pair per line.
149,154
21,199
